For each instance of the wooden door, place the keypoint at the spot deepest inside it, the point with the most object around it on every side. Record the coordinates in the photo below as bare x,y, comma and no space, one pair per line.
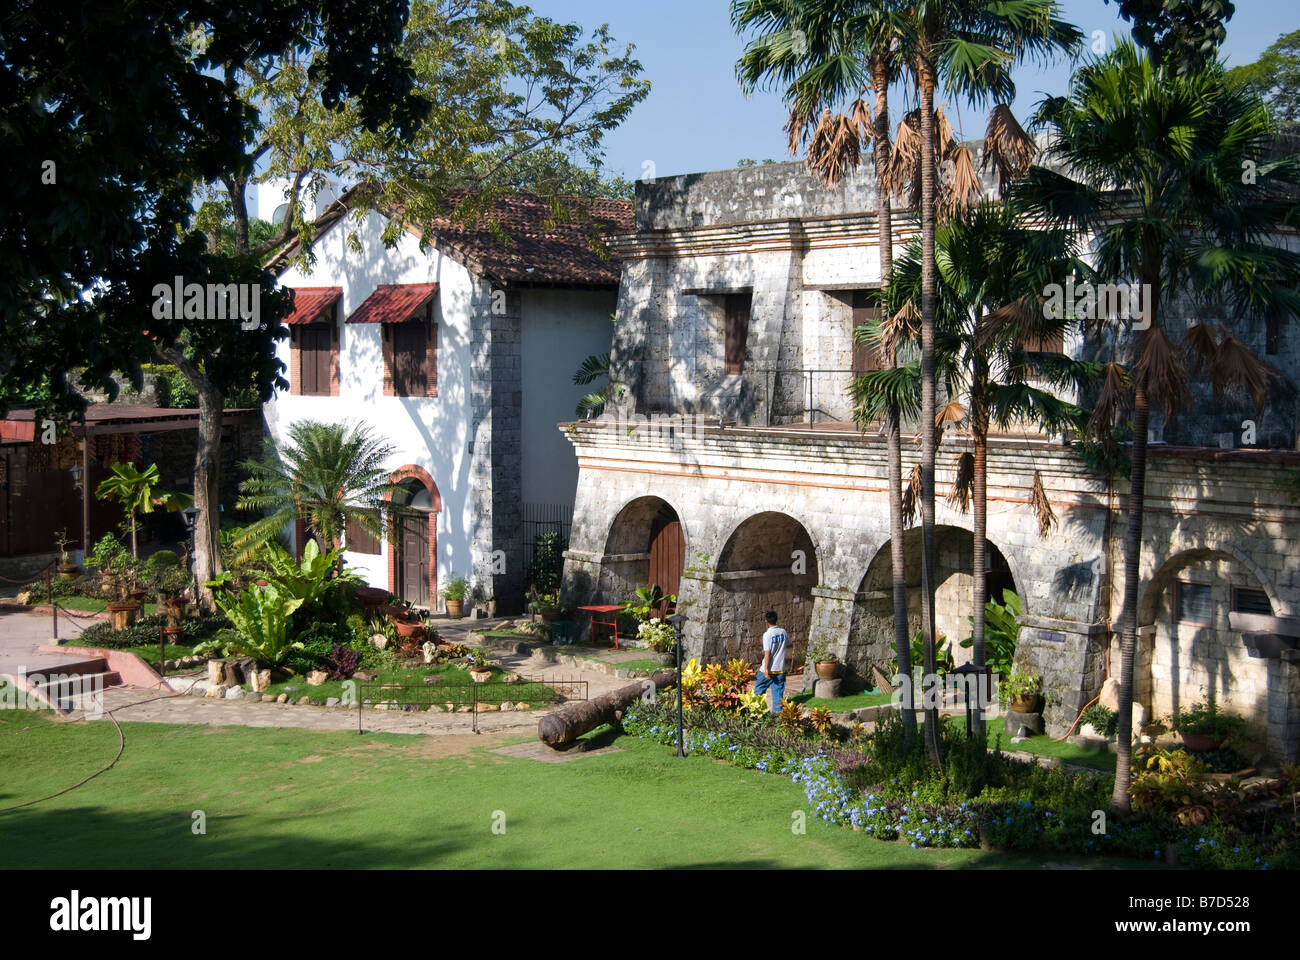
415,559
736,316
667,554
866,307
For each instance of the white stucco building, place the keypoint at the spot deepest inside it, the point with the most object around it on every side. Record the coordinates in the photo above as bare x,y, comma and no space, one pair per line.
461,355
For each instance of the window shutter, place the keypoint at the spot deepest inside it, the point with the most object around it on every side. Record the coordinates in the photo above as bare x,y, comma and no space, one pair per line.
357,540
866,307
334,359
295,361
738,306
431,361
386,333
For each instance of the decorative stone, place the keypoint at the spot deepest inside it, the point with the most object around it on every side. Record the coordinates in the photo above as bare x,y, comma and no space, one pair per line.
465,708
316,678
216,669
303,701
434,708
215,693
1013,720
1088,730
827,689
380,641
523,706
1109,697
234,693
451,707
488,708
364,676
429,648
268,698
282,698
507,705
332,702
260,679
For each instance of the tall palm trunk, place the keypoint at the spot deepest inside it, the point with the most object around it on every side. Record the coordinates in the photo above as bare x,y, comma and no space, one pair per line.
926,77
979,561
893,430
1128,613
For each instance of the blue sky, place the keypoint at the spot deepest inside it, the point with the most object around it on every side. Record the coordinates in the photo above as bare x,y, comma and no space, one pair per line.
696,118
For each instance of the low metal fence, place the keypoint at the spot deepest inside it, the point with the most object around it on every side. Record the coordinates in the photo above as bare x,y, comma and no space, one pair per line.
455,696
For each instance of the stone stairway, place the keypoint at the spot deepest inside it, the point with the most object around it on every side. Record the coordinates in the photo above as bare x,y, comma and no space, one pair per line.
73,685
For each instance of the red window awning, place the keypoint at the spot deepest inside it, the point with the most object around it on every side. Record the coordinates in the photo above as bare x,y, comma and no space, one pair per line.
394,303
309,303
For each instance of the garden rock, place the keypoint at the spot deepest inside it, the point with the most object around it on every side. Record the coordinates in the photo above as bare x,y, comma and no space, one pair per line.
434,708
364,676
1109,697
488,708
379,640
1014,720
332,702
268,698
316,678
216,670
507,705
303,701
234,693
282,698
260,679
1088,730
215,692
465,708
526,706
827,689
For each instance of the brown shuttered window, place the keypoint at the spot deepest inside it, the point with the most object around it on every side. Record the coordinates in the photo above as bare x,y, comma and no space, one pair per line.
357,540
316,361
738,307
410,347
866,307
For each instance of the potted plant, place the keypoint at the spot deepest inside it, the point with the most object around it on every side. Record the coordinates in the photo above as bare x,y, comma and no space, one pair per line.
453,594
169,581
1204,728
546,605
480,670
67,569
1021,690
660,636
826,662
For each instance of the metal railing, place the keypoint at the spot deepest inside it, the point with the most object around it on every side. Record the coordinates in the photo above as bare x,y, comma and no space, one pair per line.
808,409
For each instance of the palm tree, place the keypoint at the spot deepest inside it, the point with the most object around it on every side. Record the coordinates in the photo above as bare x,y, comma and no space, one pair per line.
1159,159
991,269
327,474
968,46
827,54
133,489
593,367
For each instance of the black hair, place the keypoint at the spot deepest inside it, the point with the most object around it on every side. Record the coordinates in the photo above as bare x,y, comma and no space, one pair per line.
770,616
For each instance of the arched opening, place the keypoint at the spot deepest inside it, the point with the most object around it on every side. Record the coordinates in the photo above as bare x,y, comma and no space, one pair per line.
871,631
768,563
413,537
646,546
1186,650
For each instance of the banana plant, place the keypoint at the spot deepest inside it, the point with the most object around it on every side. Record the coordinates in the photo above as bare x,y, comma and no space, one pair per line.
261,619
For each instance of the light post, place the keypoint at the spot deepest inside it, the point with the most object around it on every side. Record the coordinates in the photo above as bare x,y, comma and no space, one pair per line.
190,515
678,621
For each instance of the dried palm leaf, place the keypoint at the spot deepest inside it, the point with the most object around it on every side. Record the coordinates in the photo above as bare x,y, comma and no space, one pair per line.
1113,401
952,412
1202,343
861,117
912,496
944,141
905,158
1235,368
1006,146
1042,507
963,187
900,327
963,484
835,147
1161,370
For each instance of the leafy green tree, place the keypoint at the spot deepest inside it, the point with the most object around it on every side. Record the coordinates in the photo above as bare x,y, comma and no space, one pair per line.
328,474
1183,34
1160,194
1275,77
593,368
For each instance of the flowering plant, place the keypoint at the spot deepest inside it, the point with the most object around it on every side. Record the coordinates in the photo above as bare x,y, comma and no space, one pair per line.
658,634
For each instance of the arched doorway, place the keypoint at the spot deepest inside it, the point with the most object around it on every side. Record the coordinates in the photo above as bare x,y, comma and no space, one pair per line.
768,563
1187,652
413,537
871,632
646,546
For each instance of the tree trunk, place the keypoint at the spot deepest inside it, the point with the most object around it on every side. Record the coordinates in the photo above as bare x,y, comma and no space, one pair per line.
563,726
207,475
893,430
979,560
1128,614
135,547
926,76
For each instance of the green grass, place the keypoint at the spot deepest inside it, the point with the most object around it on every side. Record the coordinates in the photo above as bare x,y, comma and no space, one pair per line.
149,653
286,798
650,665
853,701
449,688
1045,746
96,605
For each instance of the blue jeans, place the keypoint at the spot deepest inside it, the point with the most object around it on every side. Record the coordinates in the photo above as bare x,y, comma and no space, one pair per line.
774,680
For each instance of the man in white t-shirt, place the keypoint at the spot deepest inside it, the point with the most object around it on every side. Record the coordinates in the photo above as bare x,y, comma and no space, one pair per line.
772,671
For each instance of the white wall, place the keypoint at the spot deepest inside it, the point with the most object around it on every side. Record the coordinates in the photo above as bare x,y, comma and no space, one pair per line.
559,329
429,432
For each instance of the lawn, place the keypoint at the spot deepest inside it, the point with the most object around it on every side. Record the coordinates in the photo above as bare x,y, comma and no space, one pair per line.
1044,746
280,798
853,701
149,652
94,604
452,684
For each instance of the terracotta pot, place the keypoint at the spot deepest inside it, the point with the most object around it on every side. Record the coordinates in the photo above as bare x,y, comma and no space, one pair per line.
138,595
1025,703
456,609
409,629
172,634
67,570
549,616
1201,742
826,669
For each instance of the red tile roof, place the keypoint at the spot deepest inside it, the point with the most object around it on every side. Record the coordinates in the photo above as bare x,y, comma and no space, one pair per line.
310,302
393,302
533,247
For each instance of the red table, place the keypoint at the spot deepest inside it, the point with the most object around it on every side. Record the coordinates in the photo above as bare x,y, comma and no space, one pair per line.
605,609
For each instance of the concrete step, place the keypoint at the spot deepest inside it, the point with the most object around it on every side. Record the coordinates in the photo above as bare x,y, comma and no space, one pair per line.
76,691
70,667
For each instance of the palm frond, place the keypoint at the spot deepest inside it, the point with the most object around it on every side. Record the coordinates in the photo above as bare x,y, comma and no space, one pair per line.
1006,147
912,496
1042,507
963,483
1161,370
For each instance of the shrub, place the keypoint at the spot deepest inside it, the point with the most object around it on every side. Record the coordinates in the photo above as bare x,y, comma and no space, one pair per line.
341,662
1102,719
320,637
545,574
1205,718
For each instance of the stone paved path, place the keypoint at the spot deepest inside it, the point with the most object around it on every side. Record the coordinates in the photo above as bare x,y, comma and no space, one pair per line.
21,633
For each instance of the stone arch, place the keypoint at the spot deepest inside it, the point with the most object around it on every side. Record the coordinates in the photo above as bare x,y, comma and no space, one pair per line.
1191,654
632,543
413,477
769,561
871,628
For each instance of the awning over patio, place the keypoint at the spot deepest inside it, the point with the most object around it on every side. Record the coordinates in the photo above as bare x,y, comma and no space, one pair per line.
394,303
